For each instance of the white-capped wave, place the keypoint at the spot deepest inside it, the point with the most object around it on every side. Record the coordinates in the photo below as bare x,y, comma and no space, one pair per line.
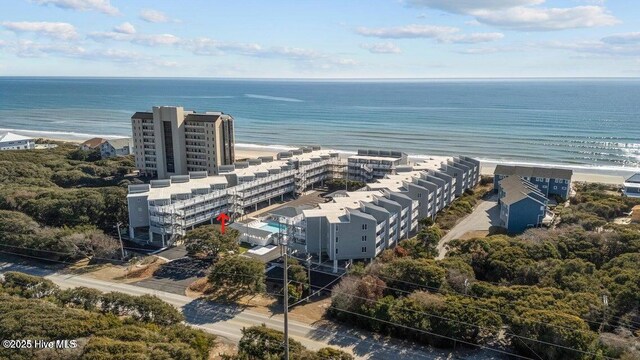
275,98
63,135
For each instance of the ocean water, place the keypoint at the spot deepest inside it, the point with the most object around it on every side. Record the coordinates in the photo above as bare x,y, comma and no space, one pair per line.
583,123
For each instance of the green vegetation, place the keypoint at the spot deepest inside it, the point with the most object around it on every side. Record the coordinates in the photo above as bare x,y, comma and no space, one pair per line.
536,290
240,274
461,207
208,241
342,184
262,343
107,326
62,200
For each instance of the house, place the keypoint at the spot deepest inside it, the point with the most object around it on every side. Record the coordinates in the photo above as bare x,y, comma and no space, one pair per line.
550,181
92,144
522,204
11,141
632,186
108,148
115,147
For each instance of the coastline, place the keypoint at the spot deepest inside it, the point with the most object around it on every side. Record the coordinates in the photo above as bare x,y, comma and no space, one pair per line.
582,173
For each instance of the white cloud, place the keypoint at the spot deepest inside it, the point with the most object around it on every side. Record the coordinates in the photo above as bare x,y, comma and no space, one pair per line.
542,19
211,47
125,28
524,15
466,6
103,6
628,38
58,30
598,47
136,38
408,32
382,48
475,38
156,39
28,48
153,16
445,34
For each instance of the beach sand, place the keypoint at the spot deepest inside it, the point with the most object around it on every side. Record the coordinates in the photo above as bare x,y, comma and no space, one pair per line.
580,173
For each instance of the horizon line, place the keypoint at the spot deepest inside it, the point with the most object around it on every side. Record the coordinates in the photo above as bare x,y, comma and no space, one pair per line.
326,79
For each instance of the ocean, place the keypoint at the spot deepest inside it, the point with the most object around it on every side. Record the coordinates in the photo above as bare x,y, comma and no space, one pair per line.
579,123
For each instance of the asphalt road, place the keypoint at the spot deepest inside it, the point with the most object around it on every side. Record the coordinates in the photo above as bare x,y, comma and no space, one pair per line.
227,321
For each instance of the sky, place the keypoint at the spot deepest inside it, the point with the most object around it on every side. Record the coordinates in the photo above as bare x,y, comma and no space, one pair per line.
320,39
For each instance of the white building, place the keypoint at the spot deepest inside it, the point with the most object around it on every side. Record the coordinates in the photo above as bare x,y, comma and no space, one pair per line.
11,141
167,208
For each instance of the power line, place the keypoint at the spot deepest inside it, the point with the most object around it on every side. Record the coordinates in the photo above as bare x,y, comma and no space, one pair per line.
431,333
454,292
471,324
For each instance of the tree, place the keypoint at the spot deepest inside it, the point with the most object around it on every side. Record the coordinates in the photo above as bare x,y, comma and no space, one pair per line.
208,241
85,298
27,286
241,273
260,342
553,327
151,309
412,274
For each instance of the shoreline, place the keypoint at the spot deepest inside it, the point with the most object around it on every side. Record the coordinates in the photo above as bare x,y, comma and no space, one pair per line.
581,173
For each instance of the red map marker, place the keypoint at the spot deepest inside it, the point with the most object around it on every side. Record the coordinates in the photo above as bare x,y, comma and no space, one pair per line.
223,218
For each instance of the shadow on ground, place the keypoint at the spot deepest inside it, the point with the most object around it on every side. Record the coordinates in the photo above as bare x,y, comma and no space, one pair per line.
201,311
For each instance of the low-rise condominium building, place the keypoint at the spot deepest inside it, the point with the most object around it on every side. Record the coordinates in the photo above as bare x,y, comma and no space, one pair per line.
166,208
172,141
522,204
368,165
550,181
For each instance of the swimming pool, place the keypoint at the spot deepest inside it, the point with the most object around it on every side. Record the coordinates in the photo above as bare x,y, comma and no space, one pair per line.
273,227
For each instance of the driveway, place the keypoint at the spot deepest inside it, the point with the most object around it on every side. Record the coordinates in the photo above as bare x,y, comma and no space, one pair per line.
175,276
485,215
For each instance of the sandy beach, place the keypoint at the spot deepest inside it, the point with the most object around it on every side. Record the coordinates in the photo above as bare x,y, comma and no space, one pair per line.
580,173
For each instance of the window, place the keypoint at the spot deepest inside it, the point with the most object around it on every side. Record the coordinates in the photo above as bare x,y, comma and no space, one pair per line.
336,239
555,188
419,195
336,251
364,249
364,226
336,228
364,237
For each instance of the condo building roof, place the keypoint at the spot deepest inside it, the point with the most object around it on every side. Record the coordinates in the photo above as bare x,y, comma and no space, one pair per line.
533,171
516,189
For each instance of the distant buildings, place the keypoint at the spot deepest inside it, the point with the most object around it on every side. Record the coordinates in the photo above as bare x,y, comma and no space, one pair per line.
368,165
173,141
632,186
108,147
522,204
549,181
11,141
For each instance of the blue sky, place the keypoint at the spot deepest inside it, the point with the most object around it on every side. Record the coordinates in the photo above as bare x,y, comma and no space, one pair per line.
320,39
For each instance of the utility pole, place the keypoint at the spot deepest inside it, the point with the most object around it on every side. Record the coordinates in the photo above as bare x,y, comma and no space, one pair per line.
605,302
286,299
309,276
120,238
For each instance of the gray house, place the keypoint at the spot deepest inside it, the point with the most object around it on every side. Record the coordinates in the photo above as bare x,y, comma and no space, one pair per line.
550,181
522,205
